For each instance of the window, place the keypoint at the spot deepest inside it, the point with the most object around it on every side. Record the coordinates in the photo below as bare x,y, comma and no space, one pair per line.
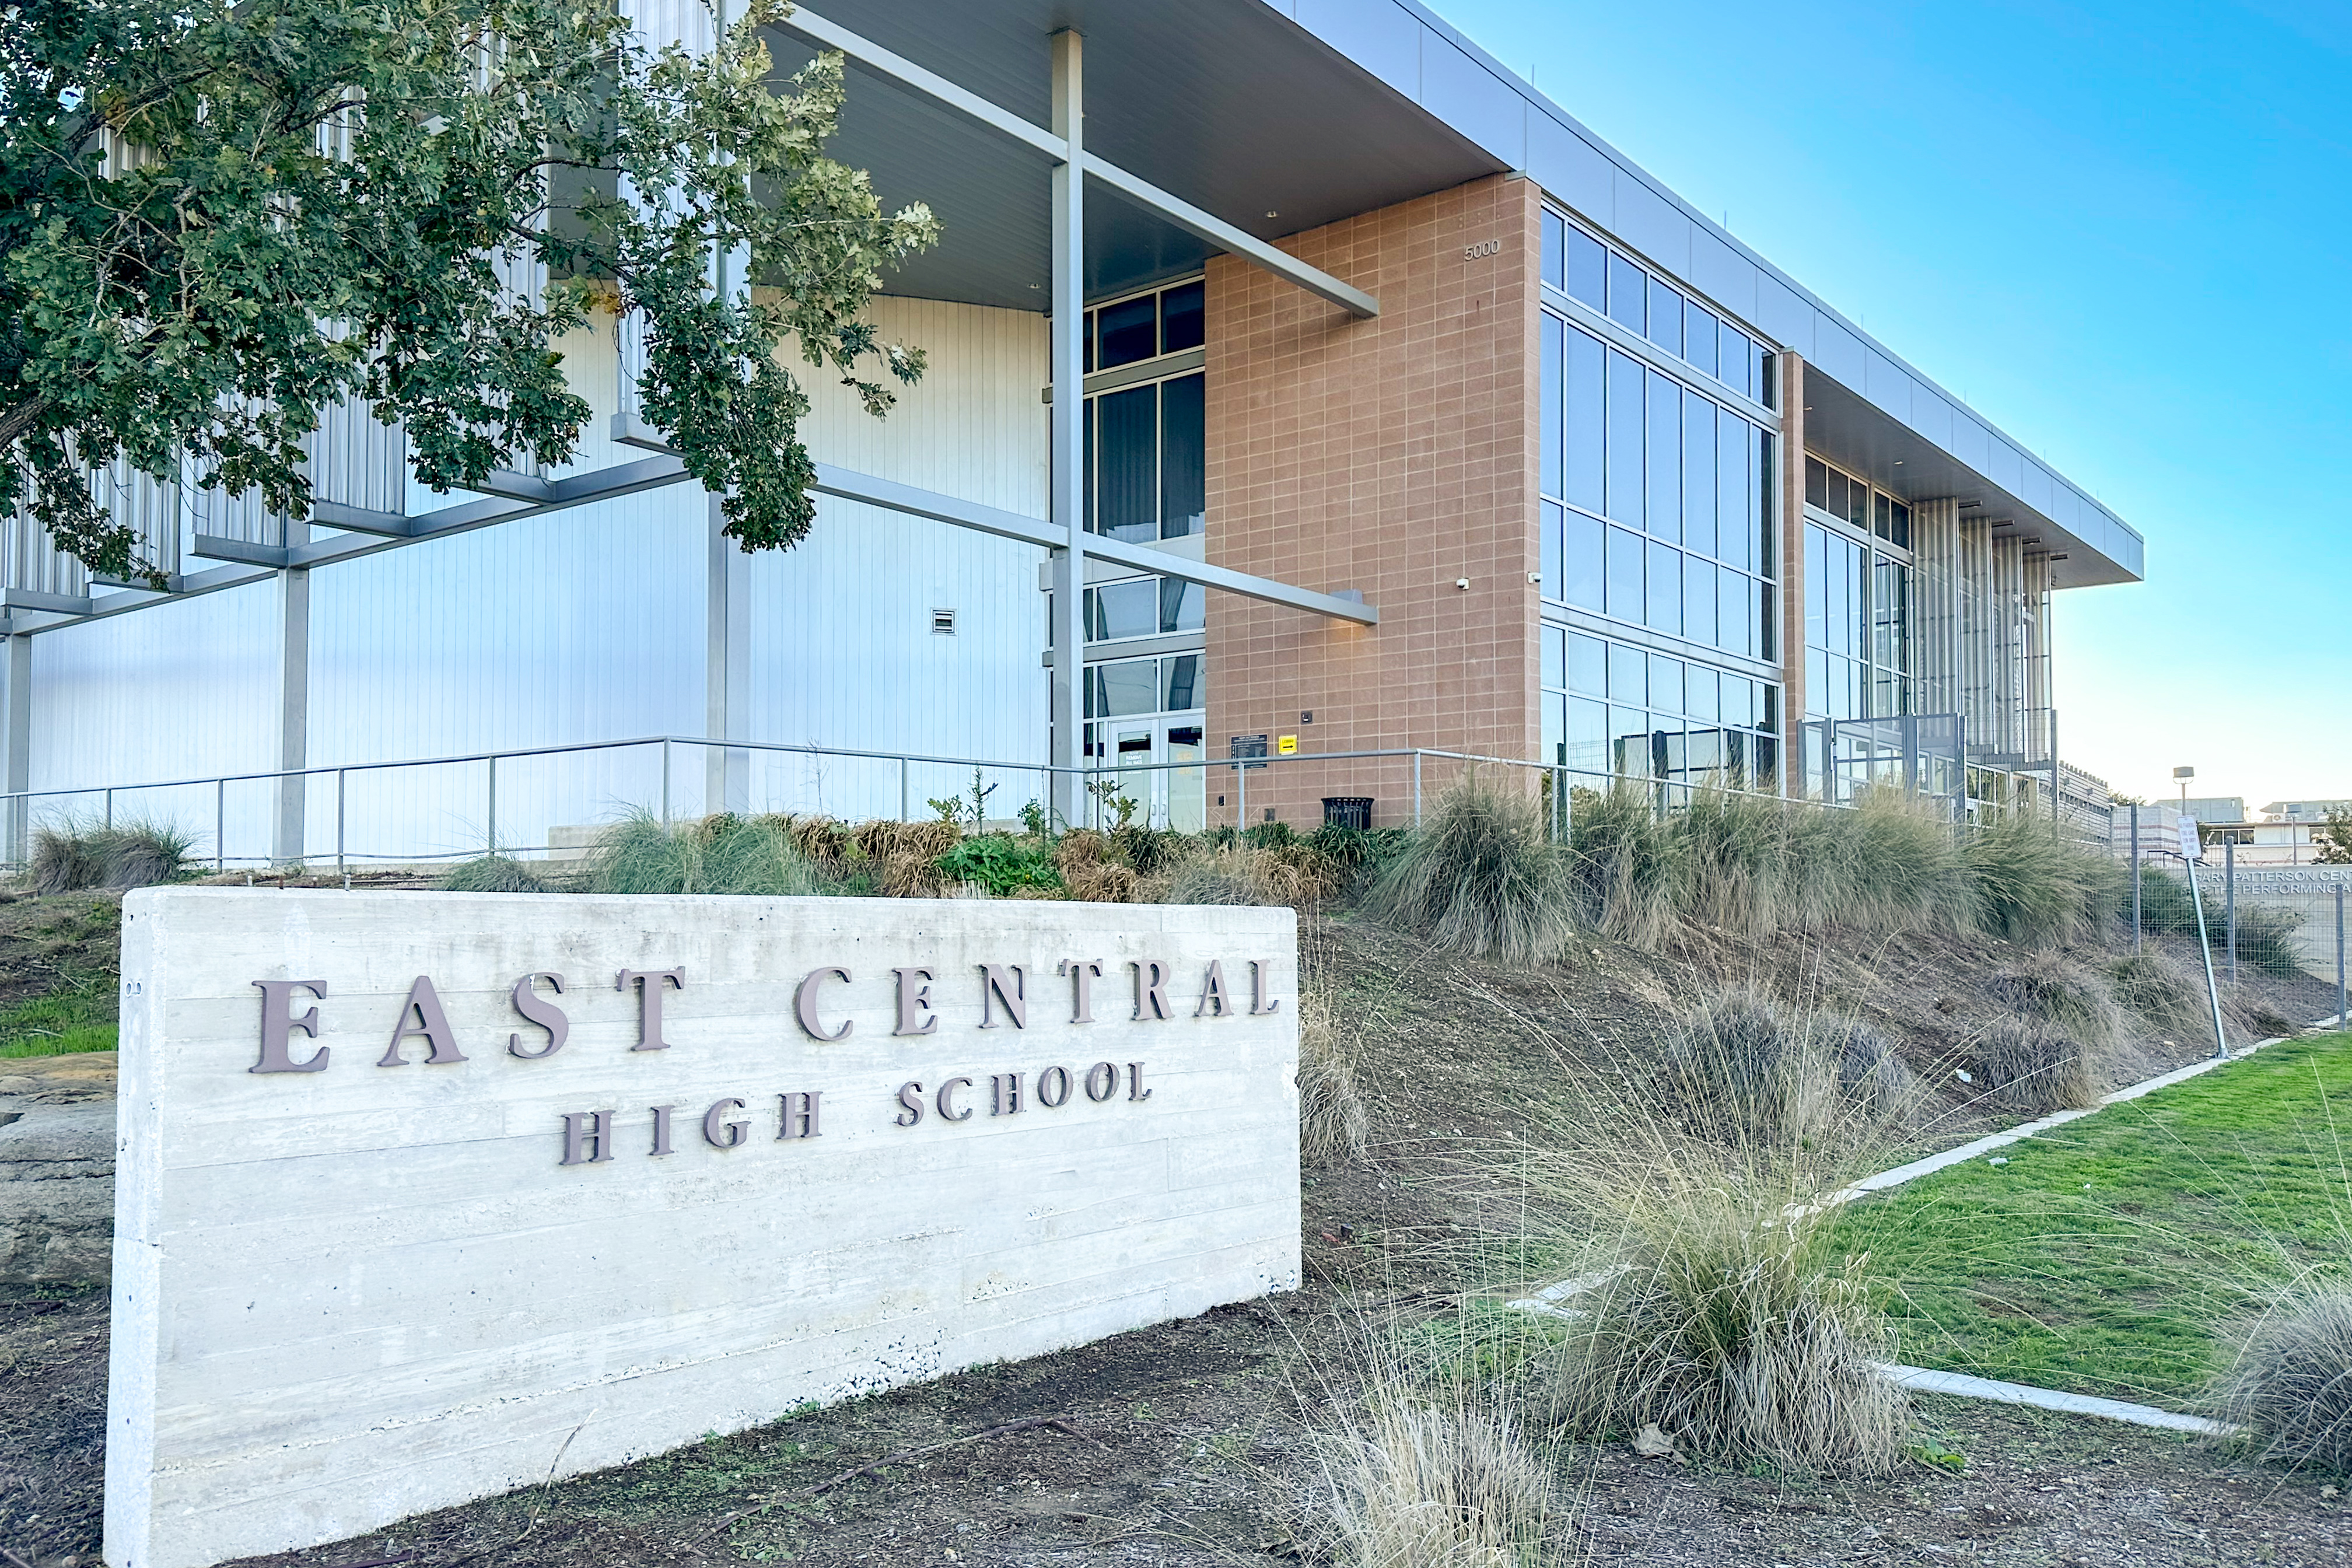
1127,331
1184,313
1607,707
1144,607
1126,686
1147,457
1628,293
1579,266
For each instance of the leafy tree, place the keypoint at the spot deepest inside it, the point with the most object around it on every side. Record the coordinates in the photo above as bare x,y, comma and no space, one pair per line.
218,217
2332,838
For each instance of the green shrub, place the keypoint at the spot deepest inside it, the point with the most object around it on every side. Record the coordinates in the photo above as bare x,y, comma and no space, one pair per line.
1480,878
1001,863
496,874
722,854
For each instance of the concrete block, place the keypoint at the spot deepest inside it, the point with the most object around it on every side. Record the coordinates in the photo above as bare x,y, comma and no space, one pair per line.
348,1295
57,1192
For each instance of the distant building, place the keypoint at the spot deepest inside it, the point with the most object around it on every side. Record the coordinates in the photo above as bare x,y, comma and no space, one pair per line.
2304,810
2213,808
2084,802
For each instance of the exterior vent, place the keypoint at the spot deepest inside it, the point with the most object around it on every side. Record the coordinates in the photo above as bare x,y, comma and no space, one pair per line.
943,623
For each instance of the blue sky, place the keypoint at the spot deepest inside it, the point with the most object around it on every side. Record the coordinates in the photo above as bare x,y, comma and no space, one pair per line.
2120,231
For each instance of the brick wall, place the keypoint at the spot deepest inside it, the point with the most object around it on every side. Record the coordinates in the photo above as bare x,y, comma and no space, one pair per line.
1394,456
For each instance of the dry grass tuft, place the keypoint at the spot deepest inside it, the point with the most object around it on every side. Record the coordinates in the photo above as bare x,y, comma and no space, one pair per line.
1238,874
1333,1124
2290,1385
1091,869
2027,1066
2064,995
1749,1073
1416,1481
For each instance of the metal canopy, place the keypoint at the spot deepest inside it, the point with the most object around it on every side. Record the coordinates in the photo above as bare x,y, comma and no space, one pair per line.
1855,434
1226,104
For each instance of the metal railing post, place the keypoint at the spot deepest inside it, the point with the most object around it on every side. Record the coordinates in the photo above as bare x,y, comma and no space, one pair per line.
1416,786
665,783
2340,1022
2229,901
904,798
493,835
220,825
341,817
110,810
2135,876
1241,795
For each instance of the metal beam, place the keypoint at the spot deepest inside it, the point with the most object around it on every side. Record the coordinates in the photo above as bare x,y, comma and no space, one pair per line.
892,496
1067,149
1206,226
1065,421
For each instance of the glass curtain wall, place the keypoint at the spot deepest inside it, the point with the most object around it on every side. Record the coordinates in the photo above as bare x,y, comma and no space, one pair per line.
1147,482
1859,657
1657,514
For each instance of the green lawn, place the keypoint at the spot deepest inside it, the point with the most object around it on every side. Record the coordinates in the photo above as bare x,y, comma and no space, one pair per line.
2102,1256
71,1019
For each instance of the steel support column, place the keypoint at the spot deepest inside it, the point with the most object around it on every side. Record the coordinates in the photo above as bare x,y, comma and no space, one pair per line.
1067,513
727,665
292,805
17,767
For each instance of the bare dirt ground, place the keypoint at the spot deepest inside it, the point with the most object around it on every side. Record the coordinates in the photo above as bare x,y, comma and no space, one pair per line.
1191,1442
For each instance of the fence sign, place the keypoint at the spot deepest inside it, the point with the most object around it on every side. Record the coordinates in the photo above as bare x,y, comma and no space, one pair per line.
427,1196
2191,847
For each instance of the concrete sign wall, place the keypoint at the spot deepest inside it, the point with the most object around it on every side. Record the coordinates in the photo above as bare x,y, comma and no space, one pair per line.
424,1195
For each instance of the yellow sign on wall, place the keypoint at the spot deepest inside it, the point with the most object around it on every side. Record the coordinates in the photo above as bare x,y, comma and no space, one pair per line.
1287,746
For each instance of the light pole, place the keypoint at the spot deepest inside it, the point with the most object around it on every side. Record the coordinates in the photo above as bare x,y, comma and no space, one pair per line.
2181,777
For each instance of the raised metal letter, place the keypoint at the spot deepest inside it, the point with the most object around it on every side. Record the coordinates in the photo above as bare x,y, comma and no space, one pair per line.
944,1101
649,1003
714,1121
911,1095
914,1001
546,1015
420,1014
1083,973
1150,988
1259,1006
582,1129
1053,1088
276,1026
1005,984
1004,1094
804,1005
1102,1081
799,1110
1212,995
1135,1089
661,1129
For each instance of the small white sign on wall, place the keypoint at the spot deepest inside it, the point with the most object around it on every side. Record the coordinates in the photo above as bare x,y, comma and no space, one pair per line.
422,1196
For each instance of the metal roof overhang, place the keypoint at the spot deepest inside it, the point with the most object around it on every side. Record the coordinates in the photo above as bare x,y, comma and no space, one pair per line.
1856,435
1225,103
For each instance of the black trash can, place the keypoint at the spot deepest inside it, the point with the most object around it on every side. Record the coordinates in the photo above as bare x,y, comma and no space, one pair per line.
1348,811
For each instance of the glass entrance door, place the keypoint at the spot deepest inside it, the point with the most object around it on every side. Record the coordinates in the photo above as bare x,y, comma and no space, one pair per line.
1161,796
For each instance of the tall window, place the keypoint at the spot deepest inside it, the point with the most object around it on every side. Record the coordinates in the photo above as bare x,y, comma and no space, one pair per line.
1612,710
1858,659
1147,443
1657,507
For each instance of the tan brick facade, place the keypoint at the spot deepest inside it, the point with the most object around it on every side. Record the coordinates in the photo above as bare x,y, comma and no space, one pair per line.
1395,456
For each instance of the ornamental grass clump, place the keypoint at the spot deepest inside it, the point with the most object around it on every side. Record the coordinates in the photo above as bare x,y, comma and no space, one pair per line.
1432,1479
1480,878
721,854
2032,883
2032,1067
2164,991
1625,863
2064,995
1749,1073
71,854
1333,1124
496,874
1716,1310
2289,1386
1736,870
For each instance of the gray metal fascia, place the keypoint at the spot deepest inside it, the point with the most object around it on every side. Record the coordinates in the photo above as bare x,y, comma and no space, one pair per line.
1200,224
893,496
